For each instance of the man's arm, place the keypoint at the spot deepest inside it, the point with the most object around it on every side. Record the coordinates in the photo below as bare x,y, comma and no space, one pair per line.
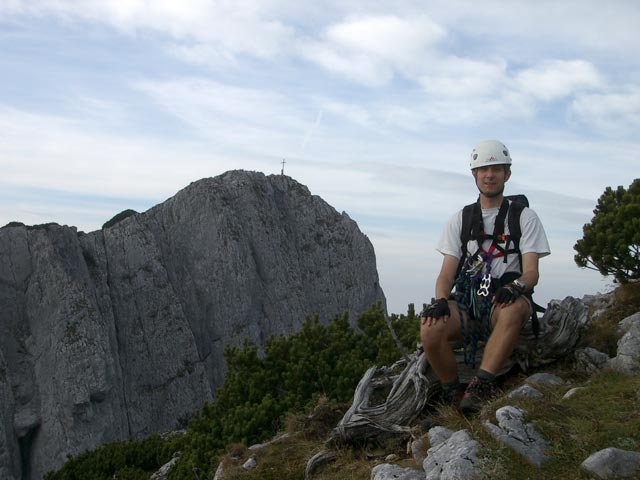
530,273
444,284
508,294
447,276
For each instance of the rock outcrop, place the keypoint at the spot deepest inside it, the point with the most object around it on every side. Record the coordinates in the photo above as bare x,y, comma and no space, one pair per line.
117,333
521,436
412,383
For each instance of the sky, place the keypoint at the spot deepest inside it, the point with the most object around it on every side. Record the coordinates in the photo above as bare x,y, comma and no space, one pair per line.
108,105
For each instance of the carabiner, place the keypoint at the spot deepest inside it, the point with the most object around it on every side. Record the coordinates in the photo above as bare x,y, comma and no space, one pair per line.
485,283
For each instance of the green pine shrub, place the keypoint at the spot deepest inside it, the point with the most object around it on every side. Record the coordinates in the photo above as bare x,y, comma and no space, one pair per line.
135,460
118,218
611,242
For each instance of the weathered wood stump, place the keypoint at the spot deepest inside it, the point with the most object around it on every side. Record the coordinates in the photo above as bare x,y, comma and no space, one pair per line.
388,400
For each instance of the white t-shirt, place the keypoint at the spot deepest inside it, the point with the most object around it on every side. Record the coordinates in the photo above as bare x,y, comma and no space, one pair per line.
533,239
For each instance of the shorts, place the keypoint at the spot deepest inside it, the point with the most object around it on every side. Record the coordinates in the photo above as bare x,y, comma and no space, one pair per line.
526,330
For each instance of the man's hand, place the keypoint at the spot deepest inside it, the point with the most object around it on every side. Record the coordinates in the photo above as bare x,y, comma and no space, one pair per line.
437,310
506,295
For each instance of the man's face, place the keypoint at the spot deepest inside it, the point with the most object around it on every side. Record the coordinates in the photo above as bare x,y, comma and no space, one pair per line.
490,180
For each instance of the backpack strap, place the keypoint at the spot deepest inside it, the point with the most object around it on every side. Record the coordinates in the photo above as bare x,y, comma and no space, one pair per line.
473,228
469,217
498,229
515,232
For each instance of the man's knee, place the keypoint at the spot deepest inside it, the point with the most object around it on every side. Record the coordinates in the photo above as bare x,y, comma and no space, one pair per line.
431,337
439,332
514,315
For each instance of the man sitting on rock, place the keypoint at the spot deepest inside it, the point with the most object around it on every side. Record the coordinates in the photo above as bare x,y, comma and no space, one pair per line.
494,269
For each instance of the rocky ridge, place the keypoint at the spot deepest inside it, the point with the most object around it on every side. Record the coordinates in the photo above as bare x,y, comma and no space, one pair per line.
119,333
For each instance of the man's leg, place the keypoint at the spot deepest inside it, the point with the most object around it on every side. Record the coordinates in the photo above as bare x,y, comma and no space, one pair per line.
435,341
507,323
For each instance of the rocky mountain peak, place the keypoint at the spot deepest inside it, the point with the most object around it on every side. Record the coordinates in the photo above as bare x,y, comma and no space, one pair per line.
116,333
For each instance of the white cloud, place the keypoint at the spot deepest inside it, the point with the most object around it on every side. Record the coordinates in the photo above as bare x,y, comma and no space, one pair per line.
531,30
615,112
229,27
556,79
455,77
353,66
399,41
468,91
372,50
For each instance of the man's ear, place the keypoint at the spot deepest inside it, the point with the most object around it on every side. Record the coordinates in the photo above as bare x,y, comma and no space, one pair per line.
507,175
474,172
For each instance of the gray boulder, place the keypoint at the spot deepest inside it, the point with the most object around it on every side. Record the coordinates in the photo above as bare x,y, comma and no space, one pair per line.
454,458
219,472
544,379
388,471
627,359
589,360
525,391
518,435
120,333
625,324
572,392
250,464
438,435
599,303
163,471
613,463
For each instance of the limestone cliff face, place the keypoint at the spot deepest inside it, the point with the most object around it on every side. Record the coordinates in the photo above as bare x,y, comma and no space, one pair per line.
119,333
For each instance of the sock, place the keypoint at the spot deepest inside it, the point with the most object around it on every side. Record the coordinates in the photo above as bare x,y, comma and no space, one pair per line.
451,386
485,376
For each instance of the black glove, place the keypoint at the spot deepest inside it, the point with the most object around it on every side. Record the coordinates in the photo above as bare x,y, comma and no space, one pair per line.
508,293
438,308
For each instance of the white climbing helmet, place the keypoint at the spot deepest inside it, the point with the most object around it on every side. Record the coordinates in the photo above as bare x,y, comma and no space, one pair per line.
490,152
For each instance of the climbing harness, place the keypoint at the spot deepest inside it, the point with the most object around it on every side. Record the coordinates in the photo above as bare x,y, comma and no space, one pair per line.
475,285
473,295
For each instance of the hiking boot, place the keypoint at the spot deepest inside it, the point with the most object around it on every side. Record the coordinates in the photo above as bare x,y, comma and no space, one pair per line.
451,397
477,393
